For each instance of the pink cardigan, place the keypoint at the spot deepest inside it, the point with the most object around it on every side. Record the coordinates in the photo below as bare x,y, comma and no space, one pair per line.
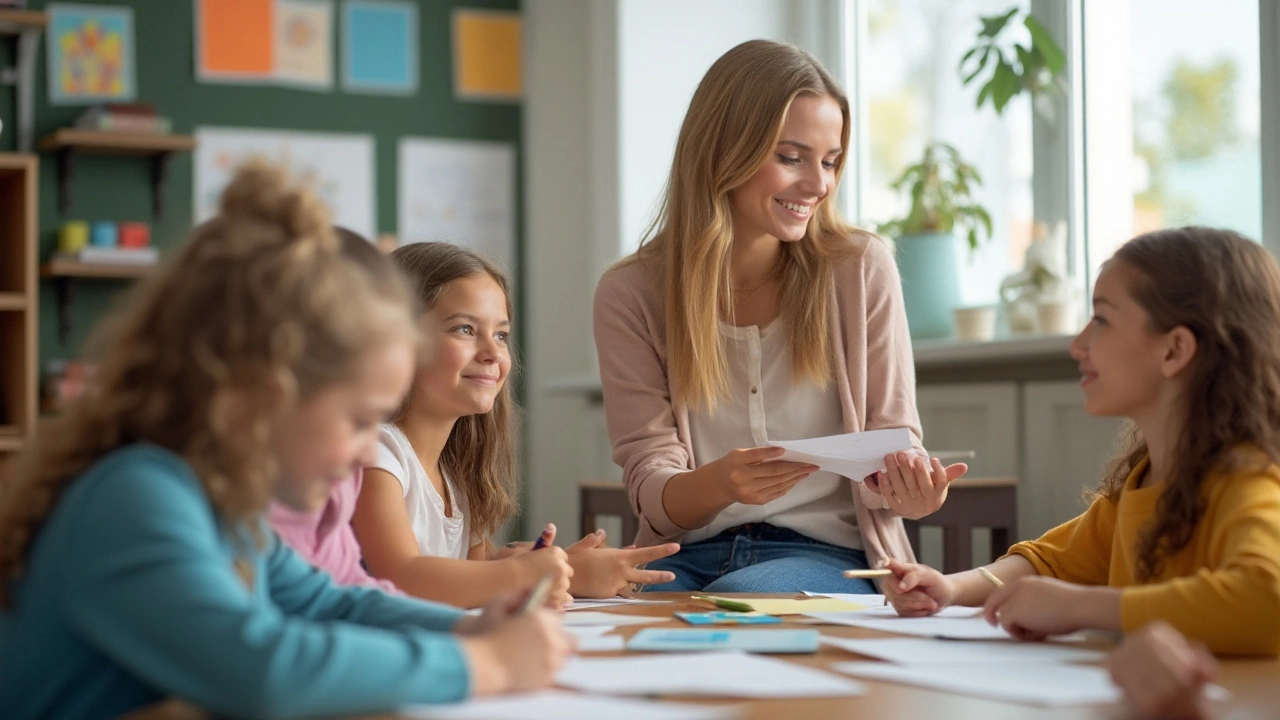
875,377
324,537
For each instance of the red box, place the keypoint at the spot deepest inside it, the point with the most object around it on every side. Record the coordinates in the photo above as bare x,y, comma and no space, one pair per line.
134,235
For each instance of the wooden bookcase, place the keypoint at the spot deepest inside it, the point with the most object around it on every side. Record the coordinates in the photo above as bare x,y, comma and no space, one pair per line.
18,297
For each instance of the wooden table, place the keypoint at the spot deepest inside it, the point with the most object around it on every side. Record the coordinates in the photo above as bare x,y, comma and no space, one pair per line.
1255,685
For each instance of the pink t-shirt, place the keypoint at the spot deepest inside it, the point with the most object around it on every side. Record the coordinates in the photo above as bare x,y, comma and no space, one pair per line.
325,539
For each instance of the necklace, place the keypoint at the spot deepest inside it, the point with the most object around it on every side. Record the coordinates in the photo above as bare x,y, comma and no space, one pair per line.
739,298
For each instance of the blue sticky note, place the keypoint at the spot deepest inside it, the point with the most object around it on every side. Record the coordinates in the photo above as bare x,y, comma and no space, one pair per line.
754,641
725,617
380,47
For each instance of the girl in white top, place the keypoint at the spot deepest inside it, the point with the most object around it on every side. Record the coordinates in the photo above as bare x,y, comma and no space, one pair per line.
444,480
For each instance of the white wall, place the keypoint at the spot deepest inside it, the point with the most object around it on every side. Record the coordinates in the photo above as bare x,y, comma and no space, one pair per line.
607,83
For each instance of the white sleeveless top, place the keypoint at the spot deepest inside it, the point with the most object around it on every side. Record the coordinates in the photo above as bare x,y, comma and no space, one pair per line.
438,535
765,404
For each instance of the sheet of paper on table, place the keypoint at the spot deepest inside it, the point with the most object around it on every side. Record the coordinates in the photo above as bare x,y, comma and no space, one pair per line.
720,674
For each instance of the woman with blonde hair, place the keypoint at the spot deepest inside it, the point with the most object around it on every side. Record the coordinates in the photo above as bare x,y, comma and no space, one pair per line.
753,313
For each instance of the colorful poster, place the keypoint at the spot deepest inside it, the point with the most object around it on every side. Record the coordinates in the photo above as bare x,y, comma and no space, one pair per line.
380,47
90,54
486,55
304,43
235,40
463,192
340,168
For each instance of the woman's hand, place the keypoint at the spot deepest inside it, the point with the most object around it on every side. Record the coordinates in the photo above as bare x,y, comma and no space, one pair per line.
913,486
755,476
600,571
917,590
1162,674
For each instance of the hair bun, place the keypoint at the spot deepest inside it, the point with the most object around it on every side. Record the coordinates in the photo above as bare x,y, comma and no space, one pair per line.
263,191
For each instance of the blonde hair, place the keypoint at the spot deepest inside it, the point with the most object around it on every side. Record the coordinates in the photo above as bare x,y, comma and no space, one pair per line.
259,304
480,454
731,130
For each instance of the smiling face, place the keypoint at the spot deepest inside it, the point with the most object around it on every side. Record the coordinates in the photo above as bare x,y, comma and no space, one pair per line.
467,359
783,194
1123,360
332,434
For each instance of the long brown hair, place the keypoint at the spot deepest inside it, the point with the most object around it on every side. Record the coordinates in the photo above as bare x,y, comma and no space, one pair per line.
259,303
1225,289
480,454
730,131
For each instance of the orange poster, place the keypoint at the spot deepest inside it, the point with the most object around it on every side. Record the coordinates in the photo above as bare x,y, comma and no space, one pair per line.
235,39
486,55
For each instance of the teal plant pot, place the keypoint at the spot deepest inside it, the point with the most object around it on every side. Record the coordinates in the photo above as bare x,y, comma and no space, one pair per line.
927,264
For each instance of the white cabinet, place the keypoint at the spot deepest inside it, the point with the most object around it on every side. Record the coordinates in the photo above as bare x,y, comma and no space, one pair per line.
1066,452
982,417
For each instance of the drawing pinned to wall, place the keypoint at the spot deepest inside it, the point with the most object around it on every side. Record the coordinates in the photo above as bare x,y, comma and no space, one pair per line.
340,168
486,55
459,191
304,42
90,54
380,47
235,40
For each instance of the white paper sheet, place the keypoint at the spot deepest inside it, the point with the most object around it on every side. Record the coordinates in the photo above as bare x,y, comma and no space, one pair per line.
588,604
927,651
591,617
721,674
868,600
463,192
853,455
561,705
1029,683
339,167
605,643
953,623
589,631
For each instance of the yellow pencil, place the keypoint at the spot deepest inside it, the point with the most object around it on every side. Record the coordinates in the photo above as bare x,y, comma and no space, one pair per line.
987,574
874,573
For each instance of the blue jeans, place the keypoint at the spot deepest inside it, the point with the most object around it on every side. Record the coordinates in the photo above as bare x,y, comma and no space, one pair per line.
761,558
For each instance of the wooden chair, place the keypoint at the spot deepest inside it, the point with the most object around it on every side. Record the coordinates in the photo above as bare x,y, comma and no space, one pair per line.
972,503
609,499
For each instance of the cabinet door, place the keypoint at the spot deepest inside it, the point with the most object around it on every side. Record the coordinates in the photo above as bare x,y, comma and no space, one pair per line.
982,417
1067,451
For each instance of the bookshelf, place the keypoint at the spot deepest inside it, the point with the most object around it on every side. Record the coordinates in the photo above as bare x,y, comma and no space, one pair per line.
65,272
19,294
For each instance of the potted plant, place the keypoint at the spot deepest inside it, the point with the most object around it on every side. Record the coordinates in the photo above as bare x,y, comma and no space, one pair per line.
1038,68
940,187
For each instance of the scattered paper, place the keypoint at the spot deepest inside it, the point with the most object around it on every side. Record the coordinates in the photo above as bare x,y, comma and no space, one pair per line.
588,604
721,674
589,631
560,705
1028,683
605,643
855,598
853,455
954,623
591,617
922,651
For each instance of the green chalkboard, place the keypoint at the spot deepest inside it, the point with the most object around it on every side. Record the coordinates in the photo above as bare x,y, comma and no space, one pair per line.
116,188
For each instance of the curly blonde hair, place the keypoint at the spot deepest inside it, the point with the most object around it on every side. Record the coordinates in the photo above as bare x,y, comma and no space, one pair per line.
259,305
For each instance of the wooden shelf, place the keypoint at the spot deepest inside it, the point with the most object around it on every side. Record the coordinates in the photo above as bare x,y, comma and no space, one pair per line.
63,268
12,301
106,143
68,142
15,21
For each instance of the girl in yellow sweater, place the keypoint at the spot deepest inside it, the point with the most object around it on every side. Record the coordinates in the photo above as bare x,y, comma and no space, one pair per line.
1185,528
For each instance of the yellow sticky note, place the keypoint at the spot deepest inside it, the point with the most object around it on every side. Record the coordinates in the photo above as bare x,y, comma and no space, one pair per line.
795,606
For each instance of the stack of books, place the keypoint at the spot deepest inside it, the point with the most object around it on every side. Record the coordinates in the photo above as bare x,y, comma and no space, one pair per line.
114,255
138,118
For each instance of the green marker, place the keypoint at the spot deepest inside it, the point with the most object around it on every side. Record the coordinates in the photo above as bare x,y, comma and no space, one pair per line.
725,603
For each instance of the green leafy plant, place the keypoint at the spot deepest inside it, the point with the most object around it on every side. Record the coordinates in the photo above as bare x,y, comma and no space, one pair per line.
1038,68
940,185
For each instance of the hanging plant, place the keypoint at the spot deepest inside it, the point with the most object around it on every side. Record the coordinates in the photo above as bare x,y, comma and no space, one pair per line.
1038,68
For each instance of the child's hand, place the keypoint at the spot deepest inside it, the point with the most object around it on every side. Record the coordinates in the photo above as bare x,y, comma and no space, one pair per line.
1035,607
1162,674
517,652
552,561
603,572
912,485
916,590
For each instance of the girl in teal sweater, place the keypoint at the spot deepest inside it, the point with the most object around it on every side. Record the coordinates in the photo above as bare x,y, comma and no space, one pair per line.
135,561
